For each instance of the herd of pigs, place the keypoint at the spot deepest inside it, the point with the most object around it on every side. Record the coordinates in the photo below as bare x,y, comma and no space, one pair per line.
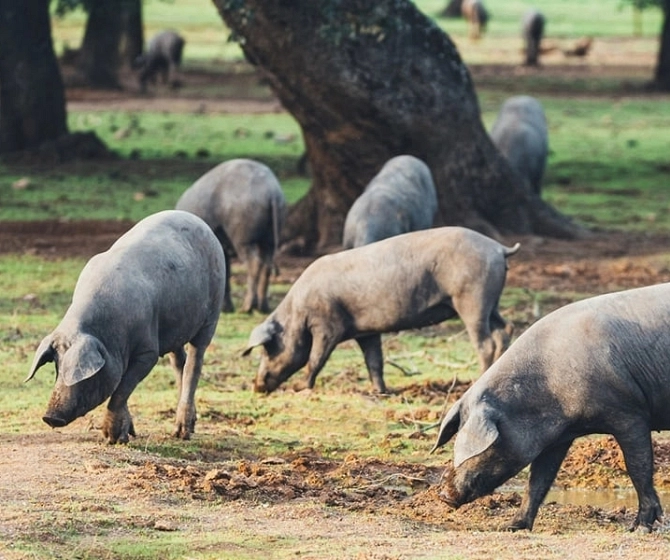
596,366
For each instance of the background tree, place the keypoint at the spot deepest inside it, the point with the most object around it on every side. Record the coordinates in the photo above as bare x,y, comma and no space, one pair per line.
113,37
370,80
32,100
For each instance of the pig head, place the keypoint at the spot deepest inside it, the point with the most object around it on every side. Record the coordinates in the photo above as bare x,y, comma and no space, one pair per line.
86,375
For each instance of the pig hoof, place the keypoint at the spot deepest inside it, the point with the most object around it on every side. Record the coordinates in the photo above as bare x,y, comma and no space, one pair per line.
516,526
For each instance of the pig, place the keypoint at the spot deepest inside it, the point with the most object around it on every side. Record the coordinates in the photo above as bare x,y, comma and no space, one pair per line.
600,365
407,281
532,29
520,134
399,199
163,56
242,201
158,288
477,17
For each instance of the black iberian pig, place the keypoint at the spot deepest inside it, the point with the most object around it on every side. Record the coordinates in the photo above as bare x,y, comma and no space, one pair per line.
399,199
243,202
601,365
158,288
403,282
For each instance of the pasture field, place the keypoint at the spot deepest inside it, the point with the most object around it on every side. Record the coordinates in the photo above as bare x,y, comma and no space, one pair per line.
337,472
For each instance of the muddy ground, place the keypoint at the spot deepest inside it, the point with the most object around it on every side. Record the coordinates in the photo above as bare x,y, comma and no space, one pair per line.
305,505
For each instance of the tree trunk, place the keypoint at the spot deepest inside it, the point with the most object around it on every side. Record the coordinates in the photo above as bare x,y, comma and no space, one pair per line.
452,9
662,73
367,81
132,32
32,99
99,56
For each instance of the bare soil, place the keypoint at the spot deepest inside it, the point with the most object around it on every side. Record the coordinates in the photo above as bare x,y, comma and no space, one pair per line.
304,504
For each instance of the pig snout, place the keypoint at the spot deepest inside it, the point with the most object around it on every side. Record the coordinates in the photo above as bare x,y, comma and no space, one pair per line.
54,421
265,383
449,494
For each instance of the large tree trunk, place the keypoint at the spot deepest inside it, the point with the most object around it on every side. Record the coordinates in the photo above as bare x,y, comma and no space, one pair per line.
99,55
662,73
370,80
32,99
132,32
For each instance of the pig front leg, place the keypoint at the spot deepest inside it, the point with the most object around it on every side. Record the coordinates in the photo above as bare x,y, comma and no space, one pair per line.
543,471
117,425
372,351
323,344
186,413
635,443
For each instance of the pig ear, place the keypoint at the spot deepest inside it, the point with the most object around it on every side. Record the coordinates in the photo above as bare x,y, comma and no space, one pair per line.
477,434
44,354
83,359
449,426
261,334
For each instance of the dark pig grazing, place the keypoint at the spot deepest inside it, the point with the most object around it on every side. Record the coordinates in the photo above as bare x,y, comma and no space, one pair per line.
477,17
242,201
597,366
403,282
520,133
158,288
399,199
532,30
163,56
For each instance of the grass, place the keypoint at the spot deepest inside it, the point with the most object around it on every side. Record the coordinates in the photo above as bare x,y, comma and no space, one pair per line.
608,168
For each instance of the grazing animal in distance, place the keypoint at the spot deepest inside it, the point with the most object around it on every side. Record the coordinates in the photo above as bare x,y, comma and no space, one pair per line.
163,56
399,199
242,201
404,282
520,133
157,289
477,17
596,366
581,48
532,31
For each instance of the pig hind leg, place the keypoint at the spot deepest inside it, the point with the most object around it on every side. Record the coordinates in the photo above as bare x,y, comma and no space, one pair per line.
186,413
635,443
543,471
501,332
374,360
476,321
254,263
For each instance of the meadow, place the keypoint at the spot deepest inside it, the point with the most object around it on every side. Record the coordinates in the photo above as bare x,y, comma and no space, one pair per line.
337,472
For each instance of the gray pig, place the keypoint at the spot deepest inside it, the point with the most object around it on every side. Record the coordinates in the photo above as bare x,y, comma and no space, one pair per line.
399,199
158,288
520,133
599,365
476,15
403,282
532,30
242,201
163,56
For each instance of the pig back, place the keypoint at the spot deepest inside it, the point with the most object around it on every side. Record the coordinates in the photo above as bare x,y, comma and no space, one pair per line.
241,196
406,281
163,280
596,356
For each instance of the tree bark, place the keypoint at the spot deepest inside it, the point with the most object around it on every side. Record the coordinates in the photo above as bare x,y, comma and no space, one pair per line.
662,72
32,99
99,59
132,32
370,80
